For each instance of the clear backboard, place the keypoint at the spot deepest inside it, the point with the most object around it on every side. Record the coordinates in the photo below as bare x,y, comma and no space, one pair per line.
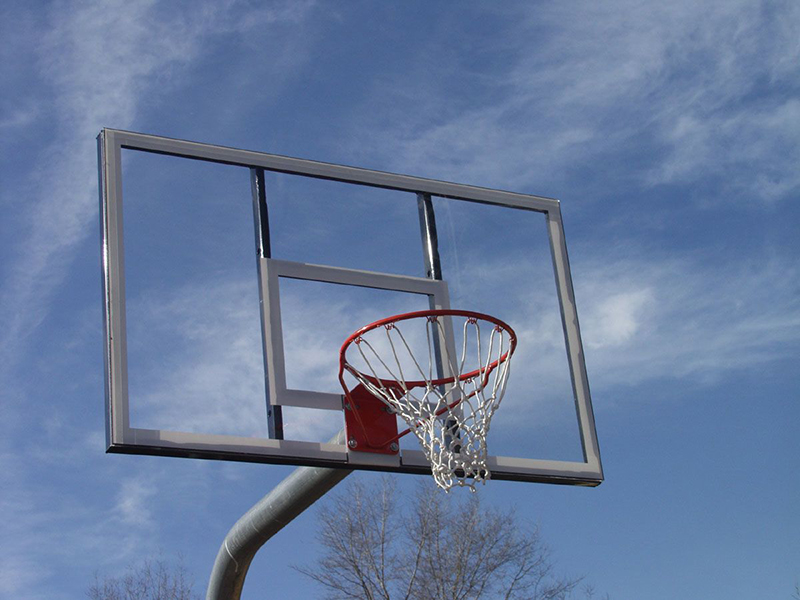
222,344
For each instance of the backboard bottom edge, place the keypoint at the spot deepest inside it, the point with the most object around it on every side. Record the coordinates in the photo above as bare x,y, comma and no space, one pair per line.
307,462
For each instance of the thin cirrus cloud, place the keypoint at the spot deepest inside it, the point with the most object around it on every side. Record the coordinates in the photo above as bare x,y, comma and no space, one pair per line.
195,355
35,516
607,78
650,317
677,318
641,320
759,147
84,532
21,568
102,60
195,360
133,501
209,376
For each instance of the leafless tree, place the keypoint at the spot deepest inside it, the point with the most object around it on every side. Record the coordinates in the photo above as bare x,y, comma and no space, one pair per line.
154,580
435,549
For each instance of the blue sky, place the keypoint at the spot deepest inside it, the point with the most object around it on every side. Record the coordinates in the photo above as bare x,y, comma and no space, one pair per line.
671,134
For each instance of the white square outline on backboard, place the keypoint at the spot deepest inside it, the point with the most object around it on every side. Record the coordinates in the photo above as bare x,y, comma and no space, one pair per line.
123,438
272,270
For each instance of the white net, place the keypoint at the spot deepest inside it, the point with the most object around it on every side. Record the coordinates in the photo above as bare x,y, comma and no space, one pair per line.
448,394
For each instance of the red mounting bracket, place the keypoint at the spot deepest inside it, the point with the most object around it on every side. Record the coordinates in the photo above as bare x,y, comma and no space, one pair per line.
371,426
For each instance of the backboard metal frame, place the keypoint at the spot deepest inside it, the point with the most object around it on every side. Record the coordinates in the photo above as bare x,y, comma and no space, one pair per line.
121,437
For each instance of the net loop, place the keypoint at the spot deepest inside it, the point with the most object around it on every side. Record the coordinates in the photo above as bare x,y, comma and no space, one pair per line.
447,396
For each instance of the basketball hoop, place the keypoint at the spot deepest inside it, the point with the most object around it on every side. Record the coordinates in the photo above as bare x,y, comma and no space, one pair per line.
446,402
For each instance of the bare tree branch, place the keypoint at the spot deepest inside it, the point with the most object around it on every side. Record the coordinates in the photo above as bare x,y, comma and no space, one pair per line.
154,580
436,548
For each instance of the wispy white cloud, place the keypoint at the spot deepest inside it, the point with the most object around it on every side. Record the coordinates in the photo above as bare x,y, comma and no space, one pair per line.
98,64
20,569
617,318
31,519
208,375
53,527
196,365
102,60
18,573
133,502
644,320
759,149
21,117
704,87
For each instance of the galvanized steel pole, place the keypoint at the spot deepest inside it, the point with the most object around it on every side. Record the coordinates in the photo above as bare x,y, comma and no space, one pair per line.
303,487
